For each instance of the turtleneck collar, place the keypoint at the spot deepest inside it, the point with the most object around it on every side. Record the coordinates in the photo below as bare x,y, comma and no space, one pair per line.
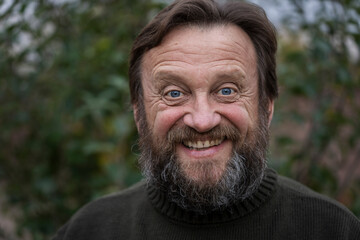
266,189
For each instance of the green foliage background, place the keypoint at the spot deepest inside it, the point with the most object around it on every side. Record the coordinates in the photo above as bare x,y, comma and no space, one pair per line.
67,133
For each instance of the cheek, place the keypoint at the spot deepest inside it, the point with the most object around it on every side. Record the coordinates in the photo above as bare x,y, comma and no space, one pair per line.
239,117
163,120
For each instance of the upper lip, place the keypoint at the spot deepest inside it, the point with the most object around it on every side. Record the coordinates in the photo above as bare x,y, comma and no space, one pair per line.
203,143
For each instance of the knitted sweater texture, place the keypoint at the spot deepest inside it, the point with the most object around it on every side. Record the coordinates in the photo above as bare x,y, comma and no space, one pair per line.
280,209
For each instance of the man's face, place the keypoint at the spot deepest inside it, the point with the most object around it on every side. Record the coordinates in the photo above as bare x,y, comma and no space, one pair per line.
202,78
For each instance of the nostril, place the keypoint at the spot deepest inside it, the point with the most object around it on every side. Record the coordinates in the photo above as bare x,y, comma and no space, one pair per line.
202,121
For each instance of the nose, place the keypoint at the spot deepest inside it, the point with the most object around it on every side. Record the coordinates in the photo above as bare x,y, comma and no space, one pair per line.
202,115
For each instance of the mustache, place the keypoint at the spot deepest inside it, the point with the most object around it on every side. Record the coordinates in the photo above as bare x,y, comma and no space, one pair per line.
179,134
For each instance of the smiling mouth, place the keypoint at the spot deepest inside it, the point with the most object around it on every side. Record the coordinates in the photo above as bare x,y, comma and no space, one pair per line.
200,145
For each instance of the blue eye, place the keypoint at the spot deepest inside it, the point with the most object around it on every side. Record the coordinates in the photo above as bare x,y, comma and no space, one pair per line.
175,93
226,91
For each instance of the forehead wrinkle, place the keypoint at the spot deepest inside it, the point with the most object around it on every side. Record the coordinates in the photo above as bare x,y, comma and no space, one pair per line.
231,51
179,50
239,51
227,53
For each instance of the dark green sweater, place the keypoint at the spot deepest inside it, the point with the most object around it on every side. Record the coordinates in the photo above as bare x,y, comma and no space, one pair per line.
280,209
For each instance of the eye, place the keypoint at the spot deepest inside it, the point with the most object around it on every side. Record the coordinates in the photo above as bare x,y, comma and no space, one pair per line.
226,91
174,96
174,93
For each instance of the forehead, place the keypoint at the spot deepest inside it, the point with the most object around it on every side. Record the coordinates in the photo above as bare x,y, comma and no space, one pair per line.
220,47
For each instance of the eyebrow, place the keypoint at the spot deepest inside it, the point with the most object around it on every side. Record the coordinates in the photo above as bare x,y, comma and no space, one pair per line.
166,75
234,75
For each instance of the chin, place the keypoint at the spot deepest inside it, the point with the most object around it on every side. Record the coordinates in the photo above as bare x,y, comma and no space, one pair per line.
203,173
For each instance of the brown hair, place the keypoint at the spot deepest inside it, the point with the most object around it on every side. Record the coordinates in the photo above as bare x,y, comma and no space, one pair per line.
249,17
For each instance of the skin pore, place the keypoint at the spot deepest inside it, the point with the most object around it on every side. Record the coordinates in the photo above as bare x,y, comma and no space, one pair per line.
202,136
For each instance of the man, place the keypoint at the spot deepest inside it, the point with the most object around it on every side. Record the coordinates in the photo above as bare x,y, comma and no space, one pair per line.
203,84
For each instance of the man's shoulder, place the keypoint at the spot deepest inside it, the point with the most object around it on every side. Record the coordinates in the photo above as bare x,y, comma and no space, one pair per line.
298,189
133,191
113,211
115,201
307,200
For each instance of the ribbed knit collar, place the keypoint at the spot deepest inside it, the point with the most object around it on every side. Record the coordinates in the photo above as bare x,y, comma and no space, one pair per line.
242,208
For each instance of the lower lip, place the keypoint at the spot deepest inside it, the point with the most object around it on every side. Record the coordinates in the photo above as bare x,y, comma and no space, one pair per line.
202,153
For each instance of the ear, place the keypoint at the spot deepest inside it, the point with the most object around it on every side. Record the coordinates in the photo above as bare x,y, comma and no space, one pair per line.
136,115
270,111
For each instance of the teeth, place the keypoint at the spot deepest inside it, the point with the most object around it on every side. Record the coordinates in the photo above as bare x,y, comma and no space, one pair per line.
202,144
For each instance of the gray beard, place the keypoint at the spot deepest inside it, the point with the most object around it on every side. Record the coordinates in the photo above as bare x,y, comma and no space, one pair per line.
242,176
236,184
